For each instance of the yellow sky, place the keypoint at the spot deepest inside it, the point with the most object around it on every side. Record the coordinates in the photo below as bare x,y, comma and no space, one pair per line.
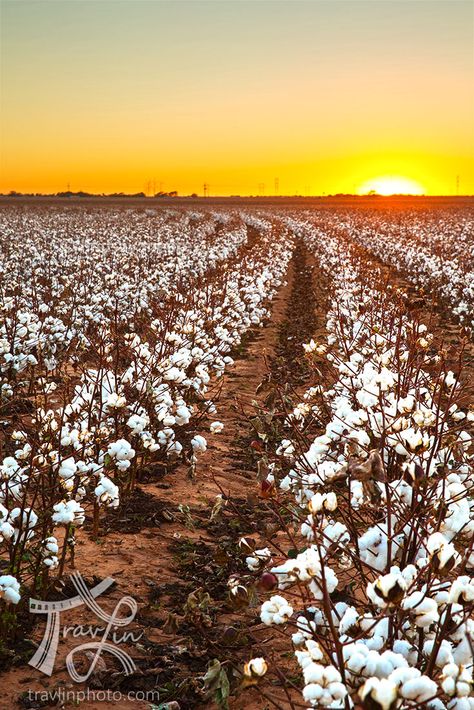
106,95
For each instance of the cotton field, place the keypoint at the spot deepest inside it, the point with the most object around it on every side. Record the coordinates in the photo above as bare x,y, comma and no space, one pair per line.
317,542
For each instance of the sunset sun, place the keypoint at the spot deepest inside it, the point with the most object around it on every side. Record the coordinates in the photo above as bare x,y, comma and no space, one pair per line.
391,185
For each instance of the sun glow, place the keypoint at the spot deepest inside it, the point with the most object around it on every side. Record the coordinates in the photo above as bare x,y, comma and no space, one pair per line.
391,185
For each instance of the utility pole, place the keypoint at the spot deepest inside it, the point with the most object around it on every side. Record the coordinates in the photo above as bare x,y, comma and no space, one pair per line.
206,189
277,186
261,189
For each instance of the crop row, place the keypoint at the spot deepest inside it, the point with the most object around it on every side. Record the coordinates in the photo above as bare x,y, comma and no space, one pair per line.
370,576
115,327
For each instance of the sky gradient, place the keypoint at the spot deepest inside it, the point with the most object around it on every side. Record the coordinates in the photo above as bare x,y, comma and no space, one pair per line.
107,95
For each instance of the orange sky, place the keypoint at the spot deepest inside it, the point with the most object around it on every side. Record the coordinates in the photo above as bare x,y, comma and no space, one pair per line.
106,95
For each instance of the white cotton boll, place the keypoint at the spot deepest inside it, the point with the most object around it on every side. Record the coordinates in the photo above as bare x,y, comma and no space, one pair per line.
122,452
312,652
183,415
323,501
115,401
402,675
174,374
462,590
199,443
382,691
276,611
305,631
419,689
373,546
138,423
423,608
68,512
313,673
357,494
386,379
67,469
51,562
50,551
456,680
256,667
461,704
406,404
7,531
51,545
387,589
107,492
24,519
9,589
312,693
316,586
259,558
442,553
323,686
174,448
216,427
349,620
450,379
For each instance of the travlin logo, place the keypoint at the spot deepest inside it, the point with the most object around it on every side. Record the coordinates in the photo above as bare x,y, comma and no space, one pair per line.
108,641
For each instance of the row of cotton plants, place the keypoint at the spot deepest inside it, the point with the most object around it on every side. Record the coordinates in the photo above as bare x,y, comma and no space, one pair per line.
433,247
130,392
371,575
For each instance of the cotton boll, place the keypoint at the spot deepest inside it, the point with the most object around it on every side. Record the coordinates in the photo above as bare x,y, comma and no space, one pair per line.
326,501
138,423
383,694
68,512
423,609
387,589
199,443
182,415
216,427
462,590
323,686
442,553
456,680
107,492
276,611
420,689
256,667
9,589
121,451
258,559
